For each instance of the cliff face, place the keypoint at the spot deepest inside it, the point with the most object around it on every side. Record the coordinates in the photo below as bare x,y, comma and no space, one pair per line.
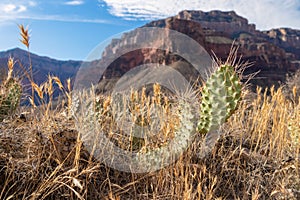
287,39
218,21
274,53
129,59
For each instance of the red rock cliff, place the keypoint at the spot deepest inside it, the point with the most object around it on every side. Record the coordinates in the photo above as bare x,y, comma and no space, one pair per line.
274,53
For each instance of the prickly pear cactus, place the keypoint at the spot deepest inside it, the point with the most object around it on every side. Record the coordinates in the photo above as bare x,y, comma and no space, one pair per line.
220,97
10,95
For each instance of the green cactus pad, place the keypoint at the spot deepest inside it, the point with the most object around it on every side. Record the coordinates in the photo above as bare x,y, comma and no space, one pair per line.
10,96
220,97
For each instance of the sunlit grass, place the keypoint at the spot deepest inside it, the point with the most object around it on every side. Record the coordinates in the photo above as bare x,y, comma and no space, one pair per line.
258,157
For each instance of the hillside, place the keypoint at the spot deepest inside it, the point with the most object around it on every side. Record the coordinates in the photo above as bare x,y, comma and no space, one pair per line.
42,66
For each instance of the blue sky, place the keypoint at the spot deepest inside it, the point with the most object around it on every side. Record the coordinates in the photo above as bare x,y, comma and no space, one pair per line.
70,29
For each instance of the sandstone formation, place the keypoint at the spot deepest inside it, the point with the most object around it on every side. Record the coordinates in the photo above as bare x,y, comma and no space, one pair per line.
274,53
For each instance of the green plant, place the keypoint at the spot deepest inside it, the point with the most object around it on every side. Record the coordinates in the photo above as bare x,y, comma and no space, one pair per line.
220,96
10,93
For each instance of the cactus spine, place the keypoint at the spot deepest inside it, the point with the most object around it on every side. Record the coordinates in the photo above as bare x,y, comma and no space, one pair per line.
220,97
10,93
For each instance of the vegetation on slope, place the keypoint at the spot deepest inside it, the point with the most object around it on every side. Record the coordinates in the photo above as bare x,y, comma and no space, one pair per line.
42,155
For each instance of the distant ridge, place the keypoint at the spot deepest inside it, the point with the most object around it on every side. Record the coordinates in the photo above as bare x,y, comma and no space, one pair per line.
42,65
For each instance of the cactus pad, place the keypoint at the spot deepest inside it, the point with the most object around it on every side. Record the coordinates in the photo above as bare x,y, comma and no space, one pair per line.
220,97
10,95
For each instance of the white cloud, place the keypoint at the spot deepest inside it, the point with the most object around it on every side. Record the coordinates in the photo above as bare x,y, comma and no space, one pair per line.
22,8
74,3
15,7
57,18
32,3
12,8
66,19
265,14
8,8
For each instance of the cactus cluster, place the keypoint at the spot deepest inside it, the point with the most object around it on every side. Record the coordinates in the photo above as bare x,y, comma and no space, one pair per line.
10,93
220,96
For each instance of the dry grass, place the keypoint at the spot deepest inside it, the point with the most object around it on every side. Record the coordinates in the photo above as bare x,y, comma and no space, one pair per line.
257,157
